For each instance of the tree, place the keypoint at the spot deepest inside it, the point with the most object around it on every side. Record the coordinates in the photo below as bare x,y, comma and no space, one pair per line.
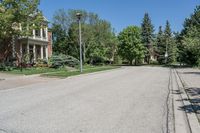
130,44
147,35
59,40
189,39
169,44
161,48
98,39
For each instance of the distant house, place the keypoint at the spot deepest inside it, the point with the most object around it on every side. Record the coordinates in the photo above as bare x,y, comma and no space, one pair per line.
36,46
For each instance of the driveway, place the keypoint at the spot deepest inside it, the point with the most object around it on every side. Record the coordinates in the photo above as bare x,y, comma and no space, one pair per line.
127,100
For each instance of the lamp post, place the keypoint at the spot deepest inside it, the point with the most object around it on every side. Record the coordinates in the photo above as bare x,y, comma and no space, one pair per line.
80,40
166,55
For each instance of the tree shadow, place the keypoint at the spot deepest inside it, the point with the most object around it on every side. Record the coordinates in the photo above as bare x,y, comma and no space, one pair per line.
191,108
178,92
194,107
193,91
197,73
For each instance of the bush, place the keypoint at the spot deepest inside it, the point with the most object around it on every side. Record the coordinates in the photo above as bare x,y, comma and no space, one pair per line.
42,63
57,61
6,67
97,60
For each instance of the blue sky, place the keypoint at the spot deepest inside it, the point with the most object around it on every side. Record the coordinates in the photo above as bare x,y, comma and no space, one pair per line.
122,13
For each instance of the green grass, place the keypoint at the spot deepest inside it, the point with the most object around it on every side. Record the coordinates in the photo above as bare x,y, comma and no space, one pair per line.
33,70
62,72
87,70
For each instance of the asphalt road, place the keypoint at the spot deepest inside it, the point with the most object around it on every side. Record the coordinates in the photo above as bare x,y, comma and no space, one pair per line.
126,100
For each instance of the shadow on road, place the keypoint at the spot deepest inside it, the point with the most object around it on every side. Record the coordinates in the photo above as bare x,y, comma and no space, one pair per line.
197,73
178,92
194,107
191,108
193,91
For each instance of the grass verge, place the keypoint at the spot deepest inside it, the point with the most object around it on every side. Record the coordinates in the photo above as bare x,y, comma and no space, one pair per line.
33,70
73,73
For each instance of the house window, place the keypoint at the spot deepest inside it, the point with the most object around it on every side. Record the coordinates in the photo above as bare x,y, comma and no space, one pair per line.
37,33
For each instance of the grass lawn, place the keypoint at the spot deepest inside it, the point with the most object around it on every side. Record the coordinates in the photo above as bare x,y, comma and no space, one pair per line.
62,72
33,70
77,72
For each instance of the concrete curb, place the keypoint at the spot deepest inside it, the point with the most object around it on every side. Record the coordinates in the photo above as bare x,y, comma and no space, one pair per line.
190,118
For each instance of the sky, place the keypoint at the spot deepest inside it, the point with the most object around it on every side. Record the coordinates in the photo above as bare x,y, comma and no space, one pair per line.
123,13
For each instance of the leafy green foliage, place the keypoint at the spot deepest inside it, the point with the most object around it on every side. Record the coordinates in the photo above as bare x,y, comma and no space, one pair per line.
16,19
191,43
61,60
189,40
99,43
130,46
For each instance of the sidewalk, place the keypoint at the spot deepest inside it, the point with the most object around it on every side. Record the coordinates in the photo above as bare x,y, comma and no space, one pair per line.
185,95
191,79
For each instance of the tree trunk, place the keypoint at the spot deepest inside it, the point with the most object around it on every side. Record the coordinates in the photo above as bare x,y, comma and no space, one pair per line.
131,62
135,62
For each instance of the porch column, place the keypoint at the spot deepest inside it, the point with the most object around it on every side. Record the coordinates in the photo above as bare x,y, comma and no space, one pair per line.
41,52
20,47
34,32
28,51
47,36
34,53
46,51
41,33
13,46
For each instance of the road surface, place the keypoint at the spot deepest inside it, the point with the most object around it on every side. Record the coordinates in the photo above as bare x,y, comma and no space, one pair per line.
126,100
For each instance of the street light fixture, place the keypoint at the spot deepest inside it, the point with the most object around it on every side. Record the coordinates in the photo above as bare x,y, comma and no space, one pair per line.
78,15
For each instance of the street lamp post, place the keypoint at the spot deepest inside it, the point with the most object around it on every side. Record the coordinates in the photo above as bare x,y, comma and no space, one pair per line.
166,55
80,40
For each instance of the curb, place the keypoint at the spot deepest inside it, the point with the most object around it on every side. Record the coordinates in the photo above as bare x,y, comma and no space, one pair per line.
191,118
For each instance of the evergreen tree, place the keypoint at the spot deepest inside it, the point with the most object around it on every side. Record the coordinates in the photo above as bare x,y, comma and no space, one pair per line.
161,48
170,45
189,39
147,35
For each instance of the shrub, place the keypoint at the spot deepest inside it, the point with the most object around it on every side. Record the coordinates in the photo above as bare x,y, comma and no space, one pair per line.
42,63
57,61
6,67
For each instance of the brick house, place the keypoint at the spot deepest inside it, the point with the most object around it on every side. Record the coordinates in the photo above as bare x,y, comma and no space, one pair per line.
37,46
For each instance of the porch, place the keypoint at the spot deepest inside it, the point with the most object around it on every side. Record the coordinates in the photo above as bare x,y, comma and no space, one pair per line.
33,50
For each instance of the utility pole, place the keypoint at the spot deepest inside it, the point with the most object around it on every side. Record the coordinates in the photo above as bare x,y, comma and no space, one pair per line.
80,41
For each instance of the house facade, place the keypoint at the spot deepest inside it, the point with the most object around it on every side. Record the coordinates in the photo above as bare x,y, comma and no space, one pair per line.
34,47
37,46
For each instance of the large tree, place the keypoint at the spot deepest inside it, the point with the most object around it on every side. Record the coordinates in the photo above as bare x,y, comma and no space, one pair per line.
161,47
130,44
98,39
188,39
147,35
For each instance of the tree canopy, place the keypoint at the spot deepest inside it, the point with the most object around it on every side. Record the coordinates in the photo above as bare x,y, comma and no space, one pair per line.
130,44
98,39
